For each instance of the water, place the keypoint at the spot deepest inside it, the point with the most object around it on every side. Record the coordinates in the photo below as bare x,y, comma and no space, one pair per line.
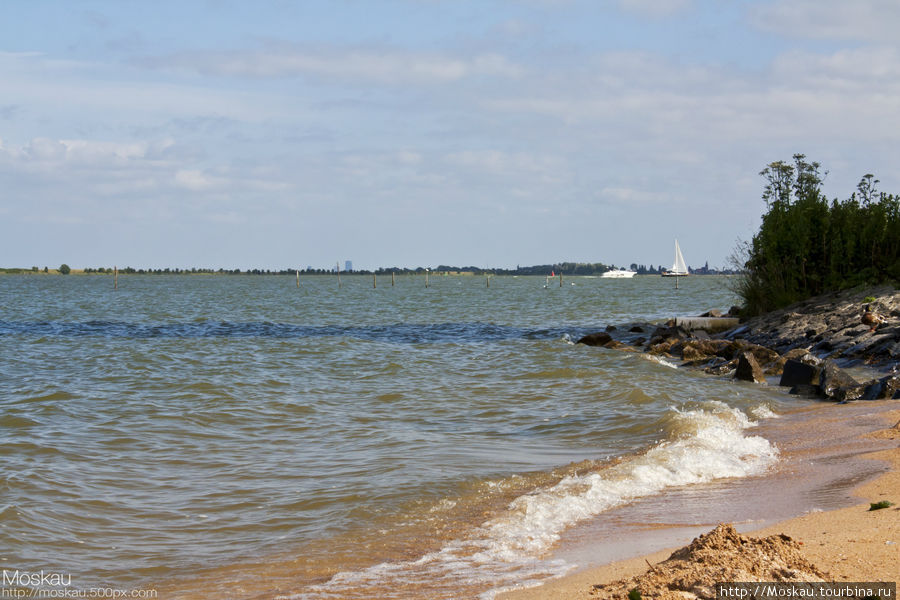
236,433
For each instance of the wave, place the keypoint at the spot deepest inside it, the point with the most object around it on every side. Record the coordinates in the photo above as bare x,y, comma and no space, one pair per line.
702,444
399,332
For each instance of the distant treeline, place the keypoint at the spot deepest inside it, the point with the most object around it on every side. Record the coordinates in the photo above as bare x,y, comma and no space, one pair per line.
565,268
808,245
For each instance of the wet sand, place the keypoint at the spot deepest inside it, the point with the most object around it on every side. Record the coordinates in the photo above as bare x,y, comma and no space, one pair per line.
836,461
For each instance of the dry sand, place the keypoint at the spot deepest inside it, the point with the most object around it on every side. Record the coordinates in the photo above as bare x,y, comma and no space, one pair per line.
848,544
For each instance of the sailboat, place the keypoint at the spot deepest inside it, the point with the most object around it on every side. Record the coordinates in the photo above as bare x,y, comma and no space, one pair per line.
679,269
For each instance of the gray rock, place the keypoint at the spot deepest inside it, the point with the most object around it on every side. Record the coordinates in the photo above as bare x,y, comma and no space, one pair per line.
799,373
748,369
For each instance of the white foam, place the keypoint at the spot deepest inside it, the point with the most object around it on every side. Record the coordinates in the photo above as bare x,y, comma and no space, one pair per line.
707,443
660,360
763,412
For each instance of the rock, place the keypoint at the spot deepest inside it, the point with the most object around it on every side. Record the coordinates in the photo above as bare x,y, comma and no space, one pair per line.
639,341
610,328
882,389
798,373
803,355
748,369
636,329
738,332
698,348
722,368
824,346
701,334
712,313
806,390
691,352
616,345
660,348
837,384
670,332
595,339
776,367
734,311
762,354
723,348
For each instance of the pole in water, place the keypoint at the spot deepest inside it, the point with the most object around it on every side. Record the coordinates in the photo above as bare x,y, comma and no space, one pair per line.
337,266
298,279
676,282
115,277
560,279
392,279
426,277
374,282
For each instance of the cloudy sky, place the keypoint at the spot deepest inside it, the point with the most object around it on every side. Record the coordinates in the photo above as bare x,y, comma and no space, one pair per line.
422,132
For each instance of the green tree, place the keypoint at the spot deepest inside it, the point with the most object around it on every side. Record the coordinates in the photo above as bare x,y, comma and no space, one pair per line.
64,269
807,246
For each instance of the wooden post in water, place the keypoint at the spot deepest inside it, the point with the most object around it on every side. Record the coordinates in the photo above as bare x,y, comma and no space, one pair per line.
560,279
392,279
115,277
298,279
487,281
374,282
426,278
337,266
676,282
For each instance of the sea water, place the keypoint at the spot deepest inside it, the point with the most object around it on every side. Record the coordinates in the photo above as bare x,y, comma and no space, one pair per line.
238,436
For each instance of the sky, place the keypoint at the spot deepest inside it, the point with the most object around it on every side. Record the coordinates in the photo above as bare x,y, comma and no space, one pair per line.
491,133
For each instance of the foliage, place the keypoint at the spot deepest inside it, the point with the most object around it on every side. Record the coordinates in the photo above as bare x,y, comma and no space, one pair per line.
634,594
880,505
64,269
807,245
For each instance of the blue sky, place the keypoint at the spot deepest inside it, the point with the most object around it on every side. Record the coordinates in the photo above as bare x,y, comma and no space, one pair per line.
425,132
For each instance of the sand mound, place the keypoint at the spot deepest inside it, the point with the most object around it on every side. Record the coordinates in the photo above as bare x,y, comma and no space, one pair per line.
721,555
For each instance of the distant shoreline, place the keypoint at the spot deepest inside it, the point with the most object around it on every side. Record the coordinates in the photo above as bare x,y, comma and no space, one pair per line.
522,272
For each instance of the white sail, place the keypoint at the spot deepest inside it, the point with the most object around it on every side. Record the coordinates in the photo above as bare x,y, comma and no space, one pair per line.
679,268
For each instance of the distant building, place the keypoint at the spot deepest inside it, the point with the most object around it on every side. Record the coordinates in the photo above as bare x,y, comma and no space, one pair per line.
348,265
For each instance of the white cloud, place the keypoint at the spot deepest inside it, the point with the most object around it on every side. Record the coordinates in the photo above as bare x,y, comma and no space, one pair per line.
864,20
385,66
655,8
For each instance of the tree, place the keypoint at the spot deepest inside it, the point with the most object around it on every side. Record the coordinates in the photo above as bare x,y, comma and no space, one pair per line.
807,246
64,269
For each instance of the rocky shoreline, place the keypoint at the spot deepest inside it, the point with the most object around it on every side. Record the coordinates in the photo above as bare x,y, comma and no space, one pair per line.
808,346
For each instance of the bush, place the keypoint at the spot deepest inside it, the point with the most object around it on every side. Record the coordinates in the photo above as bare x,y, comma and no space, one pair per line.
64,269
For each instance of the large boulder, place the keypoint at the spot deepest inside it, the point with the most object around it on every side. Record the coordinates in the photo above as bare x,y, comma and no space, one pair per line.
748,368
796,372
837,384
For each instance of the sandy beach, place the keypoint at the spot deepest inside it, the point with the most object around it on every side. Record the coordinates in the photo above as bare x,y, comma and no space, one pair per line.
846,544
